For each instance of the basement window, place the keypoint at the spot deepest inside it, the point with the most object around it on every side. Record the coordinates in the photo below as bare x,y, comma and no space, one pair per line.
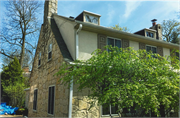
49,51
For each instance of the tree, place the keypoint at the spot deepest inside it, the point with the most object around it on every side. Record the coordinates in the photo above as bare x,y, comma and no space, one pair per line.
117,27
20,28
27,61
127,78
16,94
171,31
11,76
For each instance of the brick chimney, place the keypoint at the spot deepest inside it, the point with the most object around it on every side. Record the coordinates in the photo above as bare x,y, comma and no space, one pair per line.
158,29
50,7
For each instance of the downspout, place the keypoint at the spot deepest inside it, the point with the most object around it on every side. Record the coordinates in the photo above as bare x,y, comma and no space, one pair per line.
71,87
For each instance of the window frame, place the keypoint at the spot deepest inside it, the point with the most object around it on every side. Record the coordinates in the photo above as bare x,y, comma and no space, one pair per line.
151,47
150,32
34,99
114,41
51,98
39,59
109,111
50,51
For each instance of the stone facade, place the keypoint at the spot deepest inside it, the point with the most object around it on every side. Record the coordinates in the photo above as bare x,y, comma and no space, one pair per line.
42,77
81,104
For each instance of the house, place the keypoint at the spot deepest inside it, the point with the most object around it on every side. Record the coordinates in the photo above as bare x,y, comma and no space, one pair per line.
65,39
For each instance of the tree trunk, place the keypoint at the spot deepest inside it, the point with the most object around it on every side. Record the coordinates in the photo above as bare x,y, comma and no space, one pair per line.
22,51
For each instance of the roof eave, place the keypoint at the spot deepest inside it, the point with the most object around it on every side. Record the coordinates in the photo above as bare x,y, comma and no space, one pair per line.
125,35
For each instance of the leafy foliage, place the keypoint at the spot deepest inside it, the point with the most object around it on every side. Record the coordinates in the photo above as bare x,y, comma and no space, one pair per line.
117,27
16,93
171,31
127,78
12,82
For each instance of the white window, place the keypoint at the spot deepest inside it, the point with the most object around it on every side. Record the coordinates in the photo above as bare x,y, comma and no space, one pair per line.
149,48
49,51
114,42
35,99
91,19
109,109
51,100
39,59
150,34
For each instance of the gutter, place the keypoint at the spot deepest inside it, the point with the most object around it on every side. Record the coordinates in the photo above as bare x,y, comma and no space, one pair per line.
125,35
71,86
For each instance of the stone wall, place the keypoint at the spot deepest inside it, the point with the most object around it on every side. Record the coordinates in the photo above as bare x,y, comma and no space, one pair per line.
42,77
81,104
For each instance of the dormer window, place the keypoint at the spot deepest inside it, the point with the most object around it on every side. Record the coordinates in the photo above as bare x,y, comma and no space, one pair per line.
91,19
150,34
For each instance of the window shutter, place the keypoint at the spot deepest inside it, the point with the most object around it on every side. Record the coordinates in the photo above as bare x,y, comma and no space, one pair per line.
125,43
142,46
160,51
101,42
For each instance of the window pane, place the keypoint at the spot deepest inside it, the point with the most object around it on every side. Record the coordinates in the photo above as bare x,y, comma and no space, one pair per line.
111,42
35,100
49,55
154,50
50,47
105,109
147,33
148,48
114,109
152,35
51,100
118,43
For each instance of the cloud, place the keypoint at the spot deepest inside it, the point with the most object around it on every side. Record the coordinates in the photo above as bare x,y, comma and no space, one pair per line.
130,7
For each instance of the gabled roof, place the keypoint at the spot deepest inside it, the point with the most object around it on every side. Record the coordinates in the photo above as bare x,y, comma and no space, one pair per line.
60,41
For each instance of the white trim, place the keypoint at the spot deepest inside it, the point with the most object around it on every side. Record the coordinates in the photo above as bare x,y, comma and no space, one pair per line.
26,89
54,99
91,13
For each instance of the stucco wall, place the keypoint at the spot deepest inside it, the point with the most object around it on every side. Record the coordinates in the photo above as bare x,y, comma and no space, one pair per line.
87,44
134,44
166,52
68,33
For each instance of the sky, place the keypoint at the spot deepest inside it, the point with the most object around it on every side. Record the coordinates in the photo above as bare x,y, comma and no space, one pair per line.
133,14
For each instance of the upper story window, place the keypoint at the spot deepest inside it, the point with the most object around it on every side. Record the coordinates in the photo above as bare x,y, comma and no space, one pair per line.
39,59
91,19
150,34
114,42
49,51
151,48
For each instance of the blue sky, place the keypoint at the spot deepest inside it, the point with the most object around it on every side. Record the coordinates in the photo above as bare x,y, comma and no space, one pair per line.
134,15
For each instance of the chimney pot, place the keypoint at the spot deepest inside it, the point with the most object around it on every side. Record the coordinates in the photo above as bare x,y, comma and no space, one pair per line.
154,22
